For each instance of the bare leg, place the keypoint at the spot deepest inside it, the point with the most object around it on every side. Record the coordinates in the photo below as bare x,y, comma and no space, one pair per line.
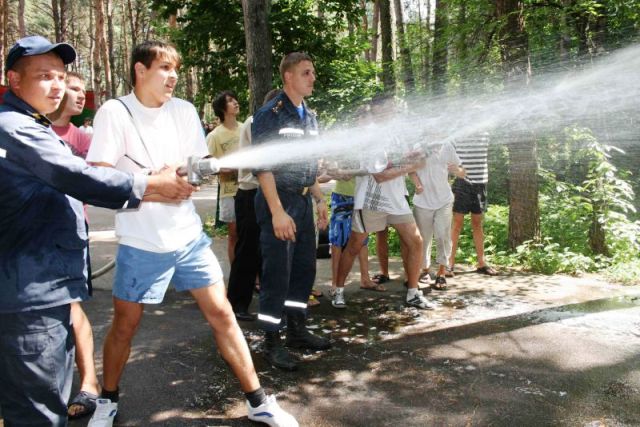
382,250
458,222
349,254
363,259
336,253
232,239
478,237
84,350
404,256
412,258
215,307
117,344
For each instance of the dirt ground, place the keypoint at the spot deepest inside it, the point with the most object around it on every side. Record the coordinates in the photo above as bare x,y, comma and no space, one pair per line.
513,350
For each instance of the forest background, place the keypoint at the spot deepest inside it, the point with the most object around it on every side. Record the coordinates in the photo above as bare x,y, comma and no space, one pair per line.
560,201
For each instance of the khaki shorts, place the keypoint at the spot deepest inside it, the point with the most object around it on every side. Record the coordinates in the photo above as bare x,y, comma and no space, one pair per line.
366,221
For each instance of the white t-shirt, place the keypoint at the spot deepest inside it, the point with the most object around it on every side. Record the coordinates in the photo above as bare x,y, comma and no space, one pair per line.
434,177
387,197
171,133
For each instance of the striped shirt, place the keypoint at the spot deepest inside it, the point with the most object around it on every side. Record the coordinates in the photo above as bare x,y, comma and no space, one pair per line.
473,155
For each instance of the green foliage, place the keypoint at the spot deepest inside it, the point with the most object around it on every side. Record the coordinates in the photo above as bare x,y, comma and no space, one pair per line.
213,228
568,212
212,39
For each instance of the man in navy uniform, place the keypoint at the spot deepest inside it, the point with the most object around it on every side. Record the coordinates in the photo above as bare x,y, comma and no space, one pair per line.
284,211
44,262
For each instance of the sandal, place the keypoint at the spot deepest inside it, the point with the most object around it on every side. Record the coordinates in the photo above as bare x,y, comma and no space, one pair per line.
489,271
449,272
316,293
312,301
380,279
376,287
84,404
440,284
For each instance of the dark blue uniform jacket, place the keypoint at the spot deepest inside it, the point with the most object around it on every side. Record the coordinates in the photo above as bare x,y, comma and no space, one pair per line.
43,234
278,121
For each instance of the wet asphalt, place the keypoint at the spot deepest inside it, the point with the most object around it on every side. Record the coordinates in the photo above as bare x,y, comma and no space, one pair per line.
513,350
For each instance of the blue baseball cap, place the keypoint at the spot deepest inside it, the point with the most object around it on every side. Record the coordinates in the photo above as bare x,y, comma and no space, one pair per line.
37,45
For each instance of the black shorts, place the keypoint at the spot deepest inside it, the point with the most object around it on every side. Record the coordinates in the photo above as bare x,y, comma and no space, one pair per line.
469,197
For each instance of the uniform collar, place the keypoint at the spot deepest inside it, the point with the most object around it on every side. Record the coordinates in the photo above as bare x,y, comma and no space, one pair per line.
288,105
17,103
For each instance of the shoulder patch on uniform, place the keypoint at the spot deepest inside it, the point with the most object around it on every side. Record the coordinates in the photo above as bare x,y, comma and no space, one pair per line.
3,153
278,107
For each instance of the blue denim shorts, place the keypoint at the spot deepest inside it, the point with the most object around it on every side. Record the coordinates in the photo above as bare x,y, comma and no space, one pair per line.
143,277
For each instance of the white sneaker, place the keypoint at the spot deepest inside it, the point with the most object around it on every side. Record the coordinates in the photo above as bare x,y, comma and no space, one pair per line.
271,414
419,301
338,299
105,413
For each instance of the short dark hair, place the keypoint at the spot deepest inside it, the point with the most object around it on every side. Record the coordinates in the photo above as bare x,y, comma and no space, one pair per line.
219,103
291,60
146,52
58,113
73,74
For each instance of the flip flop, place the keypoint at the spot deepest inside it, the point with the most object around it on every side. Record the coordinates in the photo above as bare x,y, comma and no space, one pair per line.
376,287
86,403
489,271
380,278
316,293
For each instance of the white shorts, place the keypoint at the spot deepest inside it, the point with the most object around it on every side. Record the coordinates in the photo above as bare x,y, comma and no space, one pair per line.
227,208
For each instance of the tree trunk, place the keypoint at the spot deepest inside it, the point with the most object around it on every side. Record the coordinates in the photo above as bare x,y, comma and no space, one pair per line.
365,27
22,31
109,48
425,50
55,13
461,49
133,25
440,46
91,55
100,57
125,49
258,41
386,45
524,216
63,19
375,26
405,55
597,235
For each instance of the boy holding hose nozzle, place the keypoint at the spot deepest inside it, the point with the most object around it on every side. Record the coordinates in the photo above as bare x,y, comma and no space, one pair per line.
163,243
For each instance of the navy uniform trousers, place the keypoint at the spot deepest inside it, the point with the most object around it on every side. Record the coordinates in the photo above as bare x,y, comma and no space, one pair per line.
288,268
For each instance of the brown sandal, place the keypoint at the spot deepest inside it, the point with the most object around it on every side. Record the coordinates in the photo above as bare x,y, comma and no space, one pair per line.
376,287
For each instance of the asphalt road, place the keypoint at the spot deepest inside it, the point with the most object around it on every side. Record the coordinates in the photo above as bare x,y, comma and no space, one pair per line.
515,350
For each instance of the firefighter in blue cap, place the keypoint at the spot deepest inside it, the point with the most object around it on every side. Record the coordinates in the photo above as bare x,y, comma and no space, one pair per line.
43,243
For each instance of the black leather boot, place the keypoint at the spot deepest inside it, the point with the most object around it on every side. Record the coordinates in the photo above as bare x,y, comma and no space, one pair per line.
276,354
298,336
